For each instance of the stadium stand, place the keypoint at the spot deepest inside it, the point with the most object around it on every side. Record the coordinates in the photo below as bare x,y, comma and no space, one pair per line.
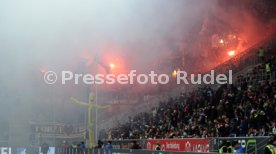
246,108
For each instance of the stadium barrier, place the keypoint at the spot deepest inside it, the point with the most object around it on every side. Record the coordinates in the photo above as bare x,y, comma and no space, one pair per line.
121,151
174,145
253,145
250,144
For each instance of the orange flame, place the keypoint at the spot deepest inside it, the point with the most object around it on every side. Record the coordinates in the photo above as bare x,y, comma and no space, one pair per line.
231,52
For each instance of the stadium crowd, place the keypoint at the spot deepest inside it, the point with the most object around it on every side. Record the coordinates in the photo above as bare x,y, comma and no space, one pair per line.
245,108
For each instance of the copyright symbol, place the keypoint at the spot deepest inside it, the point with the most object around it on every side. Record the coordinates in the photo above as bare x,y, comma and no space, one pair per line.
50,77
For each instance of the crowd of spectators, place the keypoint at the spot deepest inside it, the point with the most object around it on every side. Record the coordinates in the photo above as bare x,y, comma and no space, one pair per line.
245,108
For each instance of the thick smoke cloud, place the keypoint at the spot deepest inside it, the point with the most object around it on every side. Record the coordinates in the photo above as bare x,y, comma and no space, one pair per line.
57,35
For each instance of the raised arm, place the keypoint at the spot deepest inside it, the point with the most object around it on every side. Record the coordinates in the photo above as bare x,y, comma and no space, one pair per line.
79,102
101,106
